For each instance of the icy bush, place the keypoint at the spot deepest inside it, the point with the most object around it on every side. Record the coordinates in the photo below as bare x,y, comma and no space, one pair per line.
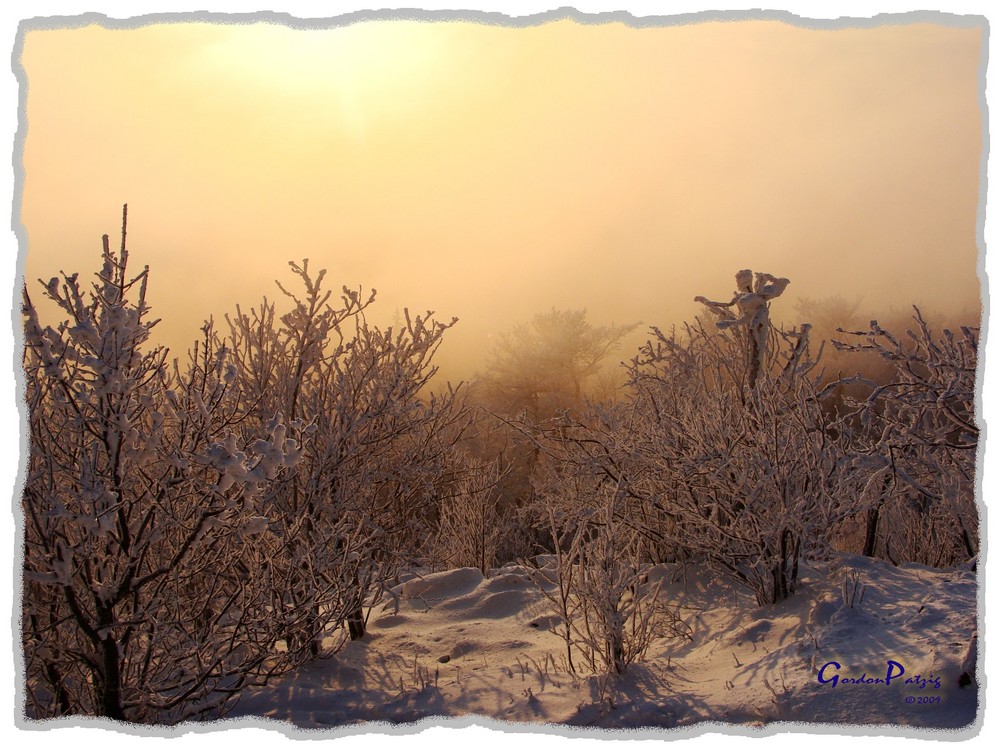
918,436
598,583
471,527
378,449
723,454
194,528
147,578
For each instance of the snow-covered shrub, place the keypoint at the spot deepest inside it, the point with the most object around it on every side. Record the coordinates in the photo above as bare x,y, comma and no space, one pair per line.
735,452
471,527
722,453
493,438
146,576
918,436
378,447
749,480
609,613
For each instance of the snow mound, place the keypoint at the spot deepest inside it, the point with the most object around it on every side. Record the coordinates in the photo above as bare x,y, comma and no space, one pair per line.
501,605
509,581
389,620
442,585
465,647
753,632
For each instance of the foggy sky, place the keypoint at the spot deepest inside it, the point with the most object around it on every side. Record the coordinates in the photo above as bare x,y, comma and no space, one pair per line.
490,173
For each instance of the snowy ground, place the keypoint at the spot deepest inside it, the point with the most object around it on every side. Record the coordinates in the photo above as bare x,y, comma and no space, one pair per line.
454,643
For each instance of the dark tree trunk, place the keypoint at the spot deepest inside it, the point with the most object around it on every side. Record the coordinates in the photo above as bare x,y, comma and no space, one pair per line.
871,532
110,681
618,656
786,571
356,624
872,518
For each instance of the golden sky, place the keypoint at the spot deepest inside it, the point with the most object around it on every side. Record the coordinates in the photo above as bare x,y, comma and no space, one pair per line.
491,173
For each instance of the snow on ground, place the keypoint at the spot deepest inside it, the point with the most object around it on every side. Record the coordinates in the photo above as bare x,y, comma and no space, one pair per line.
455,643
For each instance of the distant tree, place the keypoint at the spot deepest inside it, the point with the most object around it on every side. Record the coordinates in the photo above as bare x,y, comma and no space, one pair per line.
826,315
545,365
536,371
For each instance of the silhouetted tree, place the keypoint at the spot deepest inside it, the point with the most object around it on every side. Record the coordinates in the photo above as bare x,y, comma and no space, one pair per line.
543,366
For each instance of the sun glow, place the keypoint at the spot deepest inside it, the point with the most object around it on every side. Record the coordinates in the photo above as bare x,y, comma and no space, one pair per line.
367,70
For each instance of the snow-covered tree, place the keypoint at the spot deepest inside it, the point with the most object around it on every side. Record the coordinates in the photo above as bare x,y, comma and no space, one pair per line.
752,301
747,480
722,453
146,580
379,446
598,580
918,434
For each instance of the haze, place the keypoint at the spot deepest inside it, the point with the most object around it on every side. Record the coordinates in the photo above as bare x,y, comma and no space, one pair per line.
490,173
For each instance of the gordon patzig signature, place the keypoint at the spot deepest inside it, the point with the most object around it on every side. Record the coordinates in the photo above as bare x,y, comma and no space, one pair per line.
830,674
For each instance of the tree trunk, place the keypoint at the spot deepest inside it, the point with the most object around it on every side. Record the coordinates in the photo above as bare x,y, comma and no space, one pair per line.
356,623
109,683
871,532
